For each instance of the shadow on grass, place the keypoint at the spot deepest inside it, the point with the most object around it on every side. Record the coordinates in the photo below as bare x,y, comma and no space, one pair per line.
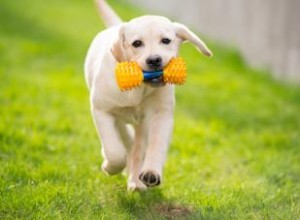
152,205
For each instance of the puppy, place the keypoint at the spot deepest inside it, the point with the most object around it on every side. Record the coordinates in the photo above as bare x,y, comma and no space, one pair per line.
135,126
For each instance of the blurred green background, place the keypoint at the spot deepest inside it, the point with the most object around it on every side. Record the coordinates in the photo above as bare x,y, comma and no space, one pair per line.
235,150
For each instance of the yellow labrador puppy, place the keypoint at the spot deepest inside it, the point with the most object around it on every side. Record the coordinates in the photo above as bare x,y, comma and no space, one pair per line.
135,126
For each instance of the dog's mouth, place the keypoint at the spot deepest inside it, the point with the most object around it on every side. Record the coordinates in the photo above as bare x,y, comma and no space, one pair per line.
155,82
154,78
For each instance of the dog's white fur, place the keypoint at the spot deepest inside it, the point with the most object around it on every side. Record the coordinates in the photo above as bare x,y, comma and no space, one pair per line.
134,126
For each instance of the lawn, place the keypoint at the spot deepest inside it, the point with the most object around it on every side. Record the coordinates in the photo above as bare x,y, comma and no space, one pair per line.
235,152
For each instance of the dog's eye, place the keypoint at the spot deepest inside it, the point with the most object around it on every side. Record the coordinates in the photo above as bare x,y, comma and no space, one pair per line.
137,43
166,41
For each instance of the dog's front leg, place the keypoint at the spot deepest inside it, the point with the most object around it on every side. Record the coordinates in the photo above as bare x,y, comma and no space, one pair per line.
161,126
135,160
113,150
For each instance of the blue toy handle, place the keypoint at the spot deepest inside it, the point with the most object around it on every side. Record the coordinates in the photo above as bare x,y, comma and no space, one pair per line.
149,75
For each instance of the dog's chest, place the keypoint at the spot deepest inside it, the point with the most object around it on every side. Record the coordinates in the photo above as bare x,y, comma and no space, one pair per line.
130,115
133,98
130,105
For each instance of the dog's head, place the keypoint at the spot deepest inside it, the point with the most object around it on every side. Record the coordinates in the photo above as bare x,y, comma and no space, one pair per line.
152,41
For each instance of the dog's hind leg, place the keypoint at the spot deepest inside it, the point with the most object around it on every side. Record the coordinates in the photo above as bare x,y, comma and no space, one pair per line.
126,132
113,150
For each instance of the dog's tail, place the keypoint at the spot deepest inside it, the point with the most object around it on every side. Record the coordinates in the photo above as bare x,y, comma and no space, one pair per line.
108,15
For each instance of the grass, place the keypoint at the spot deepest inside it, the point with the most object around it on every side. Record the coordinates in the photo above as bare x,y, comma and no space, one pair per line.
235,151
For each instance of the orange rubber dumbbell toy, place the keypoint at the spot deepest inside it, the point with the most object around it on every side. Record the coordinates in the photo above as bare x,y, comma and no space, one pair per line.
129,75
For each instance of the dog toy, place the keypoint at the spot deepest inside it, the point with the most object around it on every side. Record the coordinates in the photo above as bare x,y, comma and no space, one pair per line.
129,75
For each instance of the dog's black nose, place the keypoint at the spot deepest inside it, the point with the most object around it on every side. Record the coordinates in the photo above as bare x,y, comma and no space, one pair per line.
154,62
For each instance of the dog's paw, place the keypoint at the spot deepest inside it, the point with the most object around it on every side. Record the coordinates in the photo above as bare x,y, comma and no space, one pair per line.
136,186
150,178
110,169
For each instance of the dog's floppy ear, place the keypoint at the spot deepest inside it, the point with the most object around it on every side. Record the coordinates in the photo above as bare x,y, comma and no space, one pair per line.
118,49
185,34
